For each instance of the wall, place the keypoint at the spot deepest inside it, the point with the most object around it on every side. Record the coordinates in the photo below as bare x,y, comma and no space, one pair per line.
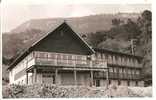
114,82
123,83
17,74
103,82
132,83
68,78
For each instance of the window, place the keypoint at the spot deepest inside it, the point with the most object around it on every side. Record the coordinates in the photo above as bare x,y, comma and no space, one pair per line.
115,70
54,81
101,73
110,69
120,70
116,58
110,59
22,82
48,78
119,82
98,55
97,83
106,56
109,81
132,71
103,56
129,71
128,83
136,63
136,83
131,62
124,71
137,72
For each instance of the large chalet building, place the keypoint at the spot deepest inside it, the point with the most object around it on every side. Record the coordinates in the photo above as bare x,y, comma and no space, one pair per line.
62,57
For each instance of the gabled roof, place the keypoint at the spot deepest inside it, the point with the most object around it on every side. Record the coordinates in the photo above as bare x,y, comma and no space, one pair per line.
29,49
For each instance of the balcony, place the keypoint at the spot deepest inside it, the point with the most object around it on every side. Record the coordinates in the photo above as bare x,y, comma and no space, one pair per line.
66,60
123,76
100,75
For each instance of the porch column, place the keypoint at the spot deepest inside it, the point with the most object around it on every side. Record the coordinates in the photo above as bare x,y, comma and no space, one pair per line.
91,77
75,77
107,77
26,77
35,75
56,76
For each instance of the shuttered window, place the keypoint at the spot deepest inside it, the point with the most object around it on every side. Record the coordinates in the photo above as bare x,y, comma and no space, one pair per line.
120,70
110,69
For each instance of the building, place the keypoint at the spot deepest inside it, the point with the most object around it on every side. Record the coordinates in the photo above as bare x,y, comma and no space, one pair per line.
62,57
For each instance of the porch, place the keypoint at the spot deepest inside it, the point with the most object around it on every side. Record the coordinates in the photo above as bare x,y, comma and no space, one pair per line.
61,75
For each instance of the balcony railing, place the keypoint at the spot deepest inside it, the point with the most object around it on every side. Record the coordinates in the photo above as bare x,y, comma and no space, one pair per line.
123,75
67,60
100,75
70,63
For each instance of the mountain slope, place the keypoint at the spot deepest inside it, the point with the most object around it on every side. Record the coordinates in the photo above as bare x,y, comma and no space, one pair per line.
85,24
26,33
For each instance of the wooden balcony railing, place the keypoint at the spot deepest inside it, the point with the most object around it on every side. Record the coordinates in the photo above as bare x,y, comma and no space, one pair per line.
62,59
70,62
123,76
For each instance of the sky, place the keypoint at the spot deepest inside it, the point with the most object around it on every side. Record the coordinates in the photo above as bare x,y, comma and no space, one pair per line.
14,15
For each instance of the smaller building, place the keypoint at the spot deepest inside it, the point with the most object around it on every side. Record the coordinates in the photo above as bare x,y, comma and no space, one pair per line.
62,57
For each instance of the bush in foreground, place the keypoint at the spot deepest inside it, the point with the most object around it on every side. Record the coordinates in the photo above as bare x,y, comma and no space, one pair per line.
53,91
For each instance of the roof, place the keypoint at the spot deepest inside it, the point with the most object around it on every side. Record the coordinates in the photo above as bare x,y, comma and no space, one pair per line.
29,49
116,52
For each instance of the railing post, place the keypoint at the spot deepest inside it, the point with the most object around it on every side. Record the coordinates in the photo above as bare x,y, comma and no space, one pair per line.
107,77
35,76
91,74
56,76
75,77
26,77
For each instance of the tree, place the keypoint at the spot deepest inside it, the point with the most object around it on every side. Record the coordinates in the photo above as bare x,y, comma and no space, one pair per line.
96,38
116,22
132,28
147,15
145,24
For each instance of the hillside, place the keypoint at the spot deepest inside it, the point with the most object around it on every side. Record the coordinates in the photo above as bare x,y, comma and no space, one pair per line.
85,24
26,33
